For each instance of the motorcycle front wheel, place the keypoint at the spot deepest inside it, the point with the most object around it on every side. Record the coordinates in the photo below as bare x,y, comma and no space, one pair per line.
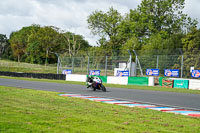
94,89
103,88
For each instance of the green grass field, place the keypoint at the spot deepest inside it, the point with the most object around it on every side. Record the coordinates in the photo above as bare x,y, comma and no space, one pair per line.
12,66
25,111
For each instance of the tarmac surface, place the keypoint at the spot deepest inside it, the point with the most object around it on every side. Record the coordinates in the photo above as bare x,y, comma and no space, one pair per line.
171,99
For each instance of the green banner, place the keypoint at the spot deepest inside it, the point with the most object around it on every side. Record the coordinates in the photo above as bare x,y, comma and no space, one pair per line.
181,84
138,81
103,78
160,80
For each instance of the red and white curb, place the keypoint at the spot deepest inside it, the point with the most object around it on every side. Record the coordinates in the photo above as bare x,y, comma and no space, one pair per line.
192,113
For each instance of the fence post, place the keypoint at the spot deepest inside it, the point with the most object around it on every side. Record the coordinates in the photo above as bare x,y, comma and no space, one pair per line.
157,61
182,67
72,64
130,66
58,65
88,67
136,60
106,63
82,64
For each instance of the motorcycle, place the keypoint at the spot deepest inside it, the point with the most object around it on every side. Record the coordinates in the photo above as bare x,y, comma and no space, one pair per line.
95,84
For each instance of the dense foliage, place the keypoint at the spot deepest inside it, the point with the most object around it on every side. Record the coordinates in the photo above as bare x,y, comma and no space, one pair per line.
154,24
36,44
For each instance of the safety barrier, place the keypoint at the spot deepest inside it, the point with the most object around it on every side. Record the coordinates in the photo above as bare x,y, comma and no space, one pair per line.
138,81
151,81
112,79
181,84
194,84
103,78
117,80
34,75
167,83
160,80
76,77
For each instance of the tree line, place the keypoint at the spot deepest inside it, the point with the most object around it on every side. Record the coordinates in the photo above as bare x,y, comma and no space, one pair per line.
41,45
153,25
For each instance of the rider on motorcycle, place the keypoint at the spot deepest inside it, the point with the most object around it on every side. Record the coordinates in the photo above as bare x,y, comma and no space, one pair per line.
91,79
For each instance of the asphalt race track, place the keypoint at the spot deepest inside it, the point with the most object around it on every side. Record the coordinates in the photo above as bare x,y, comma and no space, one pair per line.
183,100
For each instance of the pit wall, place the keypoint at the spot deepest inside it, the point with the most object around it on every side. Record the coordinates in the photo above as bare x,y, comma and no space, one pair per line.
113,80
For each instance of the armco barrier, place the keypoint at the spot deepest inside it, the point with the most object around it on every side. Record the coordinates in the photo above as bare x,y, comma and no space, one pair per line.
34,75
194,84
181,84
117,80
138,81
76,77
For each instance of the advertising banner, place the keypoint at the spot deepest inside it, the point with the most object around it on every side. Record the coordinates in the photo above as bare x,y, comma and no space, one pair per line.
152,72
181,84
171,73
67,71
95,72
167,83
195,73
122,73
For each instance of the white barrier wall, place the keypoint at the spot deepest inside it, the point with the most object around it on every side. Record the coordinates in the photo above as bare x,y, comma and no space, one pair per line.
151,81
117,80
76,77
194,84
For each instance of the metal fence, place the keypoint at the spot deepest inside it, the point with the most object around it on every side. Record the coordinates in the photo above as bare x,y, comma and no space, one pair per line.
107,64
82,65
144,60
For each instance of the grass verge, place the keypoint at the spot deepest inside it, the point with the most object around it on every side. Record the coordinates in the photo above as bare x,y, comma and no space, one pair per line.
24,110
154,88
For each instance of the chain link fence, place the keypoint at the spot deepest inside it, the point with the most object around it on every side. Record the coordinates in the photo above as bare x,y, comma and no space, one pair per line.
166,59
162,61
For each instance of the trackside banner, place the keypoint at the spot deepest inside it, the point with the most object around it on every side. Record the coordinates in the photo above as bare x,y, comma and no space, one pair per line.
122,73
171,73
195,73
95,72
152,72
67,71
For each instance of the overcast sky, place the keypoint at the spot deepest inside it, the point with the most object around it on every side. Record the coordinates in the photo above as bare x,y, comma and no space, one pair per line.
68,15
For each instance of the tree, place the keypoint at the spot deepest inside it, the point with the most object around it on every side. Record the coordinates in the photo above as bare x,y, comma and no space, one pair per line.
191,49
19,41
42,43
74,43
191,52
163,17
107,26
3,44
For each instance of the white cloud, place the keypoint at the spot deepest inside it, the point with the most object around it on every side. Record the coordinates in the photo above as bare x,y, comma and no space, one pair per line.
69,15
